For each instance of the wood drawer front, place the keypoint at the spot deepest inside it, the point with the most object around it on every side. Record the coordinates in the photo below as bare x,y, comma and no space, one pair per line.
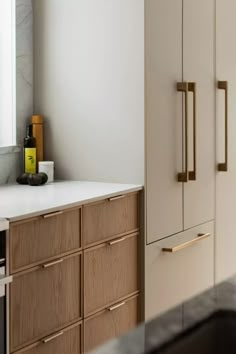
67,341
110,273
171,278
110,218
108,324
43,300
40,238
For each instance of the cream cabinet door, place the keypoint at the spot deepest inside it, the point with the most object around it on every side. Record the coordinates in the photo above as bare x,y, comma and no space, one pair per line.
198,67
163,48
171,278
226,181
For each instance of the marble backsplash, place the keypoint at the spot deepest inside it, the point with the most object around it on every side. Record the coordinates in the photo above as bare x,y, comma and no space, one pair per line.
11,159
10,165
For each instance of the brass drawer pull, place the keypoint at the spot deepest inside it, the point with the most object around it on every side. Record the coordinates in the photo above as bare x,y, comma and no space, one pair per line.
112,308
51,215
223,85
47,265
186,244
116,241
49,339
116,198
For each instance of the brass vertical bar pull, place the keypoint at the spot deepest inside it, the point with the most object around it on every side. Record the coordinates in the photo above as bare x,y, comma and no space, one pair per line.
223,85
183,87
193,174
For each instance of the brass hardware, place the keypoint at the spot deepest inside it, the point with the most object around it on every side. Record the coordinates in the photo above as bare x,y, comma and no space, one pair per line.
47,265
49,339
116,198
192,174
223,85
116,241
186,244
51,215
183,87
112,308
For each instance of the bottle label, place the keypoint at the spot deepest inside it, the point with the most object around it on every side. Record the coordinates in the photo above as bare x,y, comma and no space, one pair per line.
30,160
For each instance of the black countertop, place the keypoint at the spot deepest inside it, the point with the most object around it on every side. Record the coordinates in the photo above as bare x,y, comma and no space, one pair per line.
165,328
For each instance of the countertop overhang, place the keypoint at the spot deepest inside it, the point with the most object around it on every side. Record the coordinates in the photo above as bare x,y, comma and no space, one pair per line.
4,224
18,202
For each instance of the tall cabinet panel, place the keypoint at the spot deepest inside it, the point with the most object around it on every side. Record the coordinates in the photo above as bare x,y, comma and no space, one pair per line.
163,41
198,67
180,142
226,103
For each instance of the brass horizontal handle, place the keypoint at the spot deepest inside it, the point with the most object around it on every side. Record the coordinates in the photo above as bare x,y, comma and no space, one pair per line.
54,336
116,198
112,308
110,243
51,264
186,244
51,215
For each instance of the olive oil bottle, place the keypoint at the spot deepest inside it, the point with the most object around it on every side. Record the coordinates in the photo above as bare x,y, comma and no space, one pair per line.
30,151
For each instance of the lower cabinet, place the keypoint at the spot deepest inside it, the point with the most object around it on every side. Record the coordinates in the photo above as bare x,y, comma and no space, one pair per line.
111,266
110,323
44,299
178,268
78,287
66,341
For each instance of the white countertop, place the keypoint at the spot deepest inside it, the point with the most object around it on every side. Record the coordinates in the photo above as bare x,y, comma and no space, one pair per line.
18,202
4,224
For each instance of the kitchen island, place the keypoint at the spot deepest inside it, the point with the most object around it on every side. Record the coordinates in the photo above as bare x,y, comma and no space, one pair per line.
157,335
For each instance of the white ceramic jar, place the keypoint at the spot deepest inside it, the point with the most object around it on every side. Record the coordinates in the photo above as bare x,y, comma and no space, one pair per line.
48,168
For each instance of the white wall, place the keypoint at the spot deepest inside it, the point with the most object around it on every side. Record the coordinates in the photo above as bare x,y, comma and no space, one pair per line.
89,84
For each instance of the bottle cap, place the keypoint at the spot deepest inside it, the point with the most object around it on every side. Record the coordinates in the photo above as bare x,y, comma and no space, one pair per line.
29,130
37,119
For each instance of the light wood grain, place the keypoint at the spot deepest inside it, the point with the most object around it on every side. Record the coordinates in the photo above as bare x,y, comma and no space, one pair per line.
110,273
110,218
43,300
68,343
33,241
110,324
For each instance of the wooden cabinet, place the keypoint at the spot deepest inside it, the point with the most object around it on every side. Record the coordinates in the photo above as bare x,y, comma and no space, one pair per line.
178,267
112,266
110,218
225,179
44,237
110,323
68,340
180,154
59,280
44,299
